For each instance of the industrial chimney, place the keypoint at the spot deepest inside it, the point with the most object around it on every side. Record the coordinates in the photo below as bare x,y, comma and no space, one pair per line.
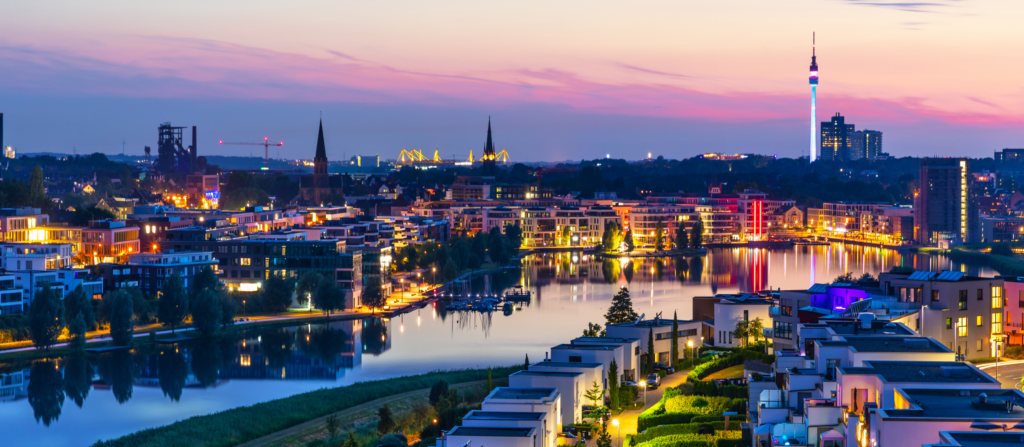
193,151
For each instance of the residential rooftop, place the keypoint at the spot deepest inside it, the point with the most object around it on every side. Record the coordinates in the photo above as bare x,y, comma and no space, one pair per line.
547,373
960,404
657,322
922,372
551,364
887,343
605,339
521,393
491,432
504,415
853,327
979,439
587,347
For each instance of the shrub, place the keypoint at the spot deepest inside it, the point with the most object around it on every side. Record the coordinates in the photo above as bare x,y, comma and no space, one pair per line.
680,429
691,440
1014,352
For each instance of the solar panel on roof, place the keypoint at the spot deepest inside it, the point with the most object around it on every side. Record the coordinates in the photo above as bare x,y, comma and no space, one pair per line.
917,276
818,288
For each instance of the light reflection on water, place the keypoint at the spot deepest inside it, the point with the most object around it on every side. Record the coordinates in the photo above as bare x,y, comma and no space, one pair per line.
79,401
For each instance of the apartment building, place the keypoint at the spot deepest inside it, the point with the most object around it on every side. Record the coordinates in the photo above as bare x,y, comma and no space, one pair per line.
110,241
756,211
571,386
149,271
35,256
13,300
965,313
644,221
499,217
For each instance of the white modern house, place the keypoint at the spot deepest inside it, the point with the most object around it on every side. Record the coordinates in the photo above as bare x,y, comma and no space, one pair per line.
526,400
595,353
592,372
630,350
570,385
689,332
13,300
920,414
732,310
506,419
464,436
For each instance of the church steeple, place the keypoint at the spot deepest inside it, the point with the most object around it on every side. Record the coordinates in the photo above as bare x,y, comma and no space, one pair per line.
489,156
320,160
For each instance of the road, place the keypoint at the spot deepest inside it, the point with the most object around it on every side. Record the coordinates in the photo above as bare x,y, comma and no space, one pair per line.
1010,372
628,419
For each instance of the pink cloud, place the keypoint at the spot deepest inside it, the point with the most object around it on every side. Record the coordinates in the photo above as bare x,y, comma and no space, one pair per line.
195,68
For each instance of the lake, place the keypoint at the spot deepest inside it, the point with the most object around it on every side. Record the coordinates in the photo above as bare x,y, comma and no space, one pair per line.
71,402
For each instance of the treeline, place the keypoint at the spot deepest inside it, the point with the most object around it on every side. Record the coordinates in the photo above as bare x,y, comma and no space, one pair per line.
447,260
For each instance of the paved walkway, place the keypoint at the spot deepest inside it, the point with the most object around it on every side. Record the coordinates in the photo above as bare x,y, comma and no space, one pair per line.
628,419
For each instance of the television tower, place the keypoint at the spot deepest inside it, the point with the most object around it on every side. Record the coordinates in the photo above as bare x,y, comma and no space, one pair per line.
814,100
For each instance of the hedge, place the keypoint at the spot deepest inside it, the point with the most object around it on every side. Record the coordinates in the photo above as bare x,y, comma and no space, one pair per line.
710,388
243,424
657,414
706,369
681,429
691,440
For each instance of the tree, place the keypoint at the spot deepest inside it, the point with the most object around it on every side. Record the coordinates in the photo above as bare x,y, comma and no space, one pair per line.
681,240
386,424
122,323
36,190
621,310
514,233
76,303
650,351
613,385
628,239
742,330
227,310
373,297
756,329
605,438
308,284
206,312
595,393
697,234
437,391
594,330
675,339
276,295
173,304
564,236
206,279
351,441
331,425
526,365
77,330
496,245
490,383
45,318
450,270
328,297
659,235
610,239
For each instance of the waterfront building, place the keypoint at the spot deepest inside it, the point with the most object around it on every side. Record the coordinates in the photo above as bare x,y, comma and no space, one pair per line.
1001,229
35,256
61,281
964,313
644,221
149,271
13,301
945,209
500,218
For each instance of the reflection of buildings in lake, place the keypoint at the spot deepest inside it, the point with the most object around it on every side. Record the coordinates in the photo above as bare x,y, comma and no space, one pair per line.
376,335
753,272
13,385
723,267
298,353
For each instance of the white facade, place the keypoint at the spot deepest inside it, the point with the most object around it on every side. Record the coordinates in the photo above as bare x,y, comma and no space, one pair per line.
537,421
603,354
689,331
728,313
570,385
592,372
528,400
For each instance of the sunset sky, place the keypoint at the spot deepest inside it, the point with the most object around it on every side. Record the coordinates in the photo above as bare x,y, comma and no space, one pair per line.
560,79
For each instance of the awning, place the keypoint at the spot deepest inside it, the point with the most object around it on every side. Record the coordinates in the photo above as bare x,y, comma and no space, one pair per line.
763,429
832,435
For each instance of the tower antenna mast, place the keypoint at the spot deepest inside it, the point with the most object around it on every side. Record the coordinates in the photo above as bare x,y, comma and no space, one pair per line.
814,98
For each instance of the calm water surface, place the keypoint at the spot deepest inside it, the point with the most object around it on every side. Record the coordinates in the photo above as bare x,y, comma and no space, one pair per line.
70,402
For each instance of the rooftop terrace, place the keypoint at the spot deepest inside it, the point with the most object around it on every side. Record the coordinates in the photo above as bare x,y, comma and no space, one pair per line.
491,432
521,393
887,344
922,372
961,404
503,415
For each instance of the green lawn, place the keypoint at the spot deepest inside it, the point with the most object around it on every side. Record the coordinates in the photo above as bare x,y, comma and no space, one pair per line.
727,373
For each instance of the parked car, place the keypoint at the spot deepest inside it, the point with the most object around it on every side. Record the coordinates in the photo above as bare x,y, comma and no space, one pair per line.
628,383
660,367
653,381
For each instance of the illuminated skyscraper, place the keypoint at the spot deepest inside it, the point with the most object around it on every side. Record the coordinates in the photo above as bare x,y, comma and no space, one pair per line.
814,100
945,207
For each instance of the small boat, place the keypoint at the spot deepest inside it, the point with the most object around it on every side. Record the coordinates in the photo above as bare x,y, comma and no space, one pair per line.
518,293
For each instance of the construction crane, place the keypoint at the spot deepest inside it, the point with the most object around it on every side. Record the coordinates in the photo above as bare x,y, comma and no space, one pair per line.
266,149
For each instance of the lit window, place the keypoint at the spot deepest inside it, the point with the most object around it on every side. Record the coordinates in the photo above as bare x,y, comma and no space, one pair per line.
997,297
961,327
997,323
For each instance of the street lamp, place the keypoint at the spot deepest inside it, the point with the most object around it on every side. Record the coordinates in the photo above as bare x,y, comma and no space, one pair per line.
643,384
615,422
401,283
433,277
689,344
243,307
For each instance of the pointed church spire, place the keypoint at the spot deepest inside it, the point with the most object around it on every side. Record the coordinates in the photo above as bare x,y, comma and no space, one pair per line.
321,149
489,149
